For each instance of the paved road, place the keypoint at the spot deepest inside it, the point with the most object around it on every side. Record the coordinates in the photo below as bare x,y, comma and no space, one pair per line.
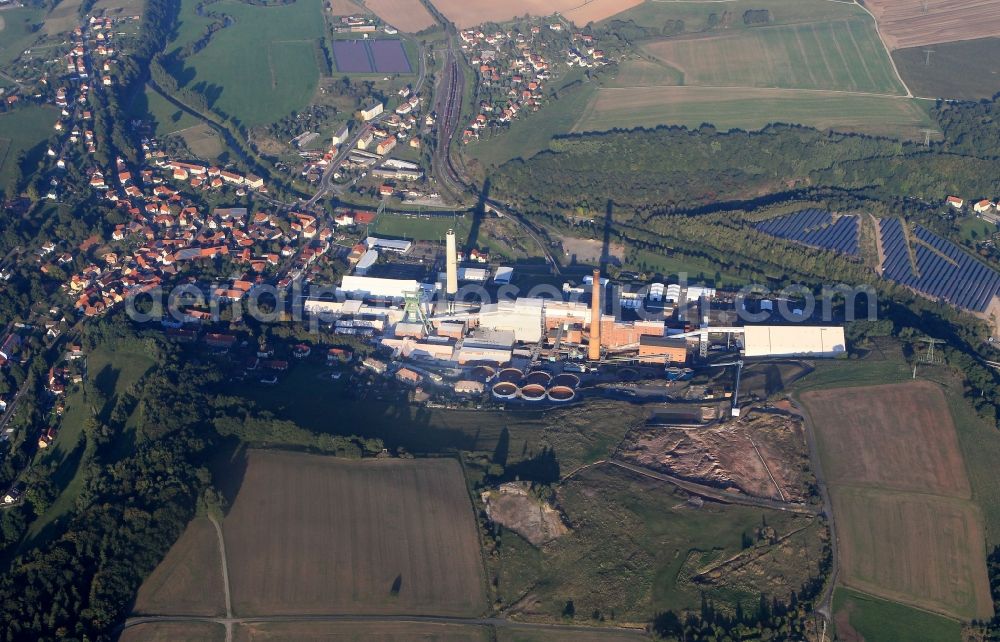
716,494
326,183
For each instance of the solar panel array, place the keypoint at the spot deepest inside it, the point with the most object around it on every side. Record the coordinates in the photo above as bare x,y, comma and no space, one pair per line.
945,271
816,228
896,265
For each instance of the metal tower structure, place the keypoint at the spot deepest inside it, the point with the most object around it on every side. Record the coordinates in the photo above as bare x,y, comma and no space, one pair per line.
735,412
930,357
413,311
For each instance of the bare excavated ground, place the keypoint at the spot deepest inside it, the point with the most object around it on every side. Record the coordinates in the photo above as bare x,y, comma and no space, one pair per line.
513,506
761,454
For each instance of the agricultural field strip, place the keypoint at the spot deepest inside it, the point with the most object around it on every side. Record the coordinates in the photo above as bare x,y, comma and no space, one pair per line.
888,51
895,466
782,44
886,551
750,108
400,537
912,23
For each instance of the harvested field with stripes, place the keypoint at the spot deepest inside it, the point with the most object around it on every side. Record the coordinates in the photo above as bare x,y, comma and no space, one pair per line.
751,108
843,55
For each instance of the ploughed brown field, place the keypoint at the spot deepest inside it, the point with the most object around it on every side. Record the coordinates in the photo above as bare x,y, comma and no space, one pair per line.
893,436
344,7
406,15
189,579
913,23
319,535
174,632
358,632
907,529
469,13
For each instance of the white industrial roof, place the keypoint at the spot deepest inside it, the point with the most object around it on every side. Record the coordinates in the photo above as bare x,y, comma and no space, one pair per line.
473,274
394,245
790,340
503,274
367,260
377,287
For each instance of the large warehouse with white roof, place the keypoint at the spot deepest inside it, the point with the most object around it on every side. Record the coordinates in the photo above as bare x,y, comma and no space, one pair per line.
793,340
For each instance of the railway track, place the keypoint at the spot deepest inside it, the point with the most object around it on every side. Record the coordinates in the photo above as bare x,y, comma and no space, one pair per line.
449,110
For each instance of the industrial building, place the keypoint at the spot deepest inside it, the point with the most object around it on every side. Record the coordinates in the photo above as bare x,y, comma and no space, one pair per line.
653,349
522,317
359,287
793,340
503,275
389,245
367,260
418,320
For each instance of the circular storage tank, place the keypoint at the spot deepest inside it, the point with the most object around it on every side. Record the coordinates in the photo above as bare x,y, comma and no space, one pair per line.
483,373
540,377
510,375
628,374
567,380
560,393
533,392
505,390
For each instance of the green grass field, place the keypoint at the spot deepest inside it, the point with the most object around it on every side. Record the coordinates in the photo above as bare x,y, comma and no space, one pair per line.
696,14
698,270
64,16
641,72
881,621
965,70
421,228
976,229
846,373
751,108
148,104
844,55
259,68
203,141
17,33
531,133
980,443
24,129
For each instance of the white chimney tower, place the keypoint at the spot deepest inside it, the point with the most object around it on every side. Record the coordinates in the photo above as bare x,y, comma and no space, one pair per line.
451,259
